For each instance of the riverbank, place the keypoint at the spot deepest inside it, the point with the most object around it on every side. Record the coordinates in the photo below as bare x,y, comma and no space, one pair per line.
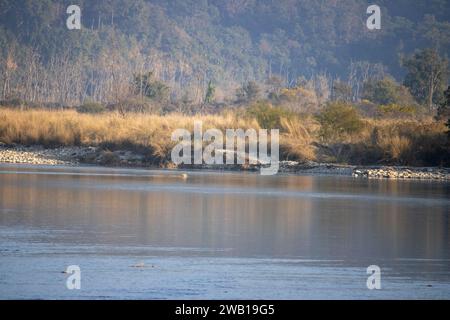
411,142
73,156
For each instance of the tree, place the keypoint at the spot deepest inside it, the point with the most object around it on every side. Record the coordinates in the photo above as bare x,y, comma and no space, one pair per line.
210,91
387,91
10,67
268,116
427,76
249,92
274,85
341,91
444,108
301,98
146,86
337,120
448,126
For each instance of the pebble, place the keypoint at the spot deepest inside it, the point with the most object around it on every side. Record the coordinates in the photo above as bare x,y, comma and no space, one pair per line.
403,173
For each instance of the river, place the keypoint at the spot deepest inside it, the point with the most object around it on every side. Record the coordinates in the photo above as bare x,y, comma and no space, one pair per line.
155,234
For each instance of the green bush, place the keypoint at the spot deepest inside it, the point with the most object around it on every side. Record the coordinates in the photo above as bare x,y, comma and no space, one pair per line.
337,120
268,116
91,107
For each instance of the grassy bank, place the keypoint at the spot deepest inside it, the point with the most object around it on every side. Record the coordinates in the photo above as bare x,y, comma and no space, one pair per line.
376,141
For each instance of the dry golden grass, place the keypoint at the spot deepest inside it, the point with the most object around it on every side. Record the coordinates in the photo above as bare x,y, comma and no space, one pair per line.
406,142
67,128
380,141
298,137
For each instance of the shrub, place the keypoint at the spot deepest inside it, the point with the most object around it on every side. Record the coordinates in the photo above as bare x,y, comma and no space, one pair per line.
109,158
136,105
248,92
387,92
341,91
396,110
299,99
19,103
268,116
298,138
14,102
337,120
91,107
145,85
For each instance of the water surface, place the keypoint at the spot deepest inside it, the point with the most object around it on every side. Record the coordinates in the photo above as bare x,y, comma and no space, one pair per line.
219,235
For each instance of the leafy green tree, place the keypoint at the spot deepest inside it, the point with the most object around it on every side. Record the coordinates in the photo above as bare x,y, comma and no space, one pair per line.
427,76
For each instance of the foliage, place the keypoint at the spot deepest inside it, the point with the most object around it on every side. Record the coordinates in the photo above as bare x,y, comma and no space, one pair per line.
394,110
249,92
444,108
427,76
187,41
448,127
341,91
299,99
145,85
210,91
268,116
386,92
91,107
381,141
339,119
274,86
135,105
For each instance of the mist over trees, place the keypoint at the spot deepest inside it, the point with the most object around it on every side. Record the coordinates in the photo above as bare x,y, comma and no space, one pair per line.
195,52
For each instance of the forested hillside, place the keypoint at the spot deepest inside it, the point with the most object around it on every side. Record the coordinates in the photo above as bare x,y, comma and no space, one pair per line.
187,47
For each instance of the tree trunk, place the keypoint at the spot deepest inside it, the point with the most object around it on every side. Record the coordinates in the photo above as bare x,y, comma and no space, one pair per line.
431,92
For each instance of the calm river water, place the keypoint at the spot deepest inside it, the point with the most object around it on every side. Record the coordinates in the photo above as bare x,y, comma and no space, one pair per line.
154,235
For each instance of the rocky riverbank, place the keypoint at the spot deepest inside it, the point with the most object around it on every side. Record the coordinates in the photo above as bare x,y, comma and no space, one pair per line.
403,173
72,156
38,155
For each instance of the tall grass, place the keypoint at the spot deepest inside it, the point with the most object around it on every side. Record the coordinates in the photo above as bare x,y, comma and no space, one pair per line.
406,142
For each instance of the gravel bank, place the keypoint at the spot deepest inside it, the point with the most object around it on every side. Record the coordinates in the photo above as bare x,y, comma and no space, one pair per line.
73,156
38,155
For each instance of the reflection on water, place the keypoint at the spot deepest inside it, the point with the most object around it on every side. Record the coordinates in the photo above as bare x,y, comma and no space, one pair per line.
232,215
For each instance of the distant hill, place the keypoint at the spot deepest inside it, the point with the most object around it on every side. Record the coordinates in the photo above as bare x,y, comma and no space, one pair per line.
187,43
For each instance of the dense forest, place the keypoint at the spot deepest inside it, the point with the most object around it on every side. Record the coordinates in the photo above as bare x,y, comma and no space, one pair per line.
338,90
215,51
